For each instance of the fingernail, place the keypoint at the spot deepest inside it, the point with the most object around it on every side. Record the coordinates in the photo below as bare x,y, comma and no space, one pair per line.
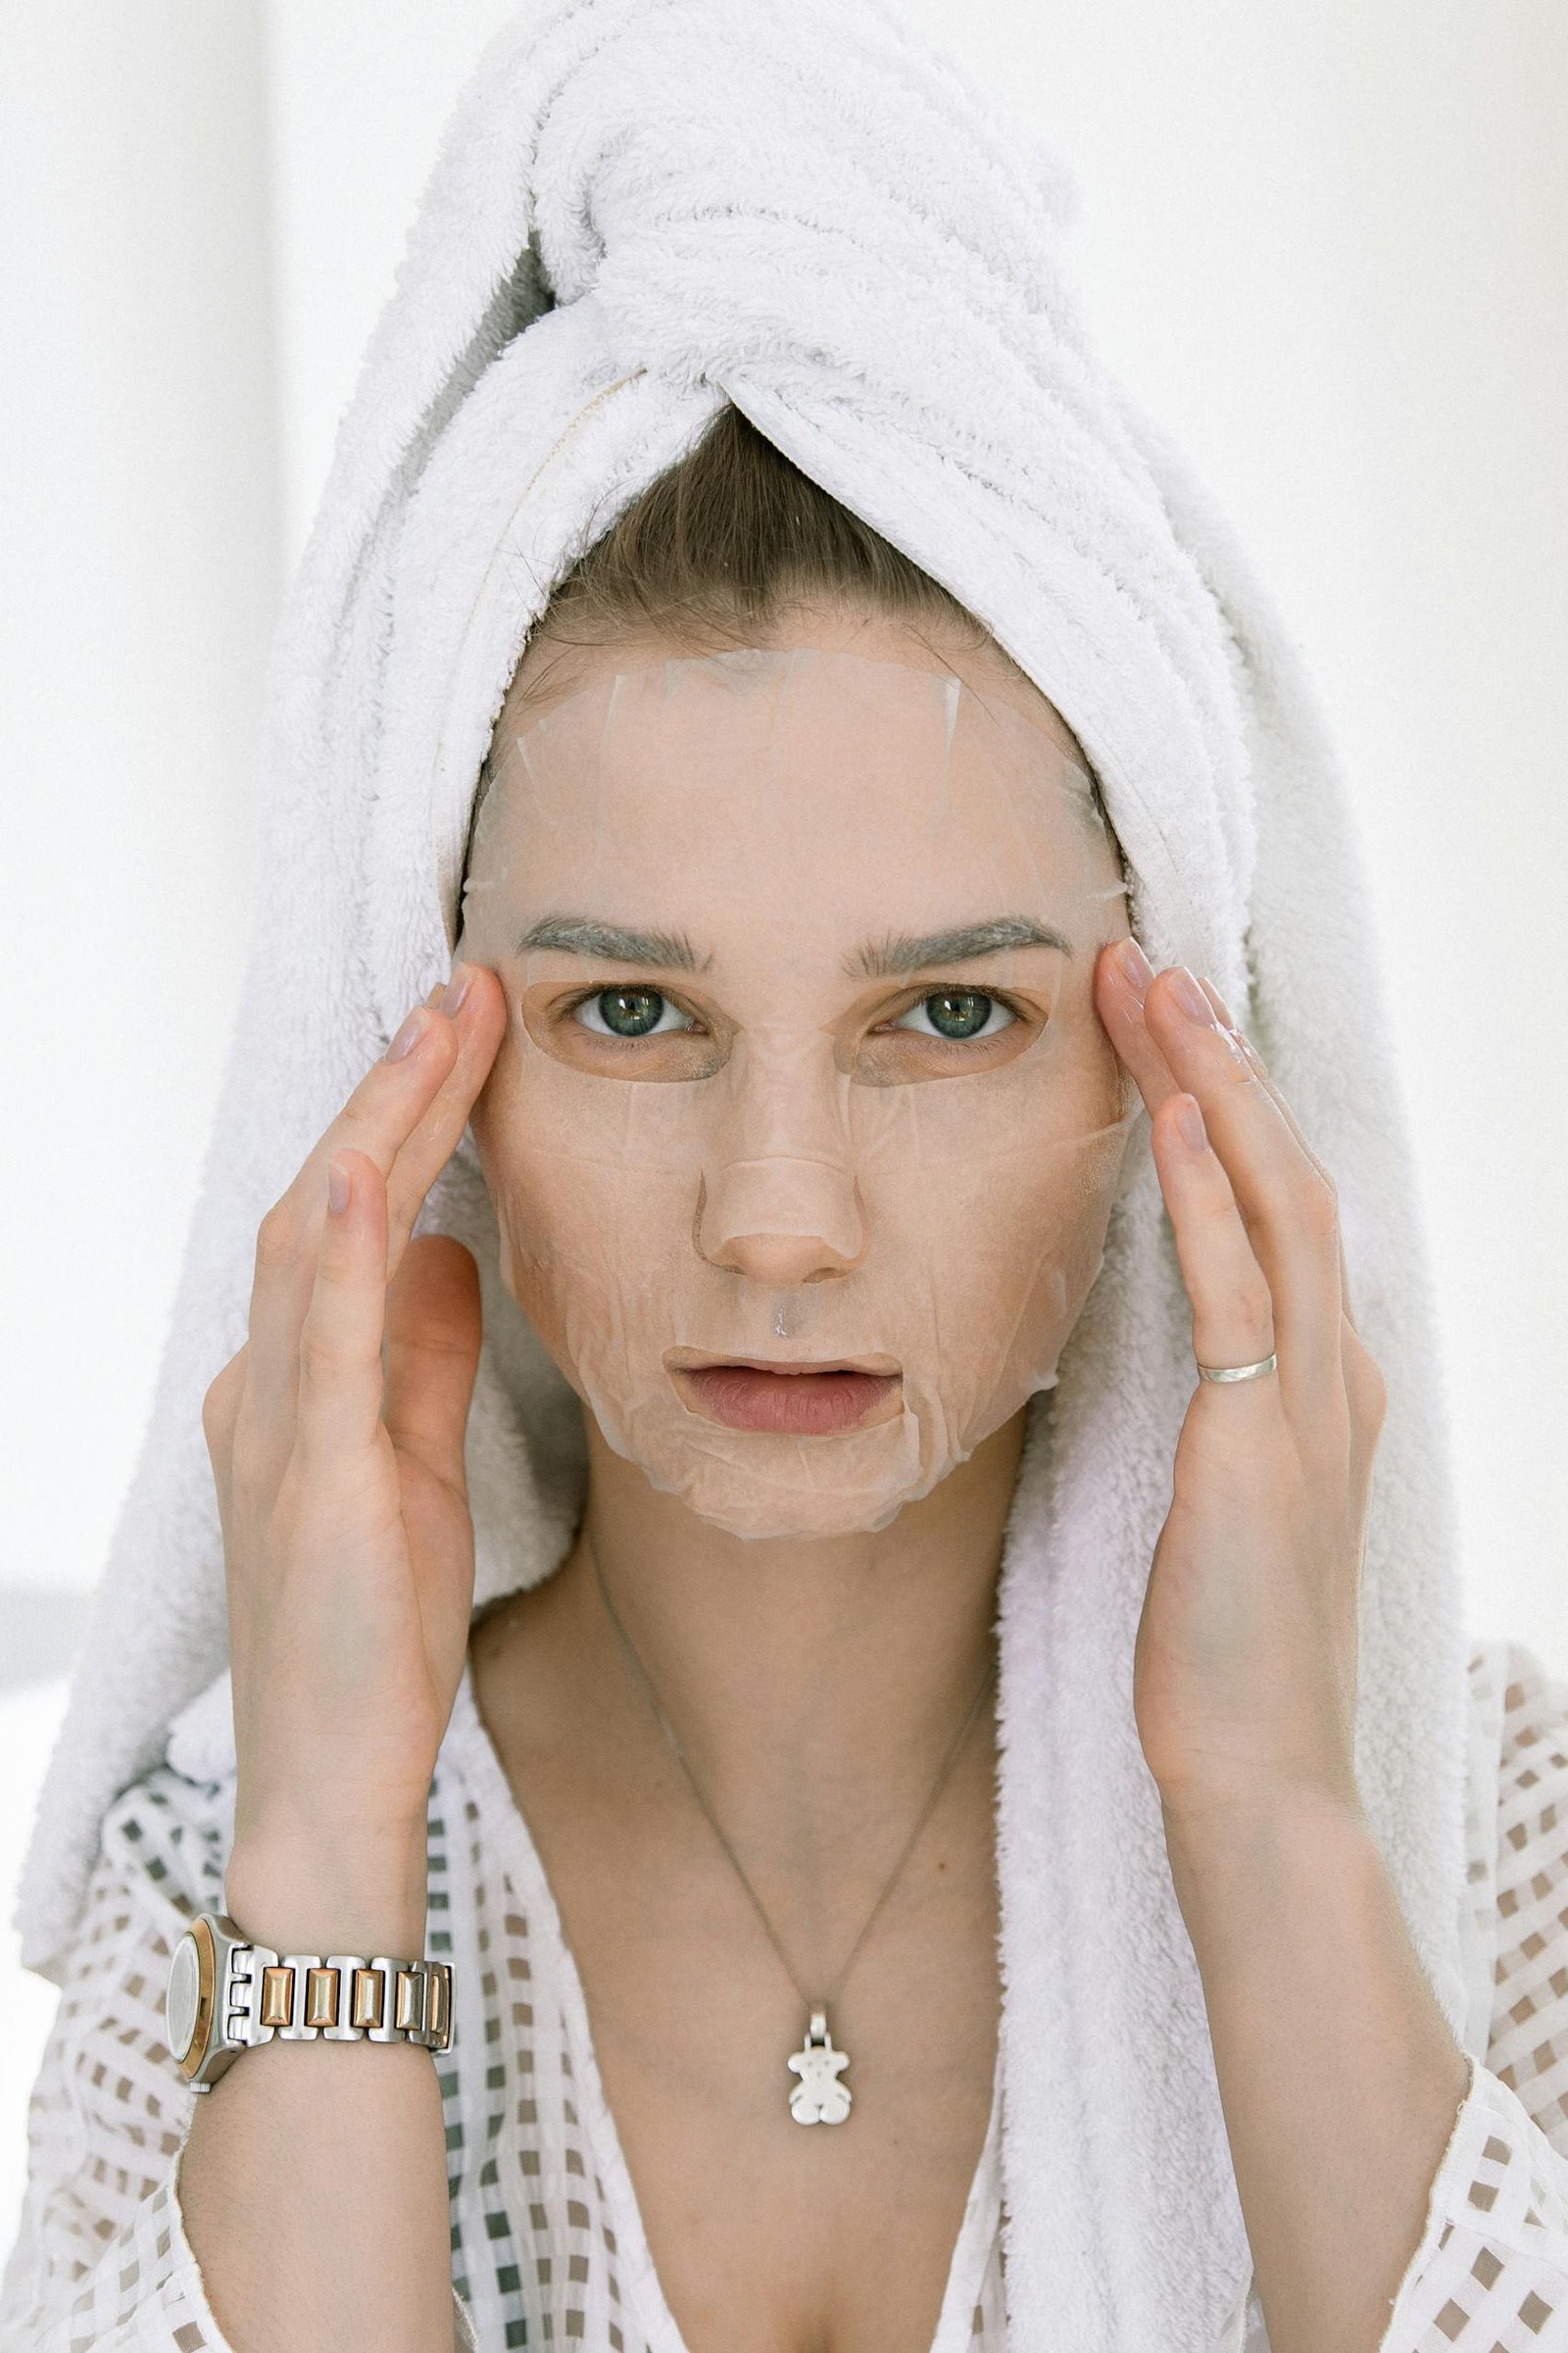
1190,996
1135,968
337,1188
1227,1017
1190,1119
408,1036
457,988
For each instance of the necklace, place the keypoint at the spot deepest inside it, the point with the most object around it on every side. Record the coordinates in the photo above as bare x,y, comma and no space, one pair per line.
819,2096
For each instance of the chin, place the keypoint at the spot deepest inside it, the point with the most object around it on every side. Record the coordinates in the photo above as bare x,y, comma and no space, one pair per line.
759,1487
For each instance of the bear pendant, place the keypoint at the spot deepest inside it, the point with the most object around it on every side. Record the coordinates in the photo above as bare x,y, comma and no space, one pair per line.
819,2098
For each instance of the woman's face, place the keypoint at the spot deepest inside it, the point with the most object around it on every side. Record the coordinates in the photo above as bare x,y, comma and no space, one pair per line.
803,1065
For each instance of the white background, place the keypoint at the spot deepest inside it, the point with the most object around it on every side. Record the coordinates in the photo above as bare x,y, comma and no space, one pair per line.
1325,241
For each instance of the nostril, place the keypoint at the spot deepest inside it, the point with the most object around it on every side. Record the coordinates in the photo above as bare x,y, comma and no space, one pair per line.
781,1260
780,1222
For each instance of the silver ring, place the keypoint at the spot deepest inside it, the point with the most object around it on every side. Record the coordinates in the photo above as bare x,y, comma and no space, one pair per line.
1238,1372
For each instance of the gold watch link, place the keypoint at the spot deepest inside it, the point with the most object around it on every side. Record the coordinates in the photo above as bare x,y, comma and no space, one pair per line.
227,1994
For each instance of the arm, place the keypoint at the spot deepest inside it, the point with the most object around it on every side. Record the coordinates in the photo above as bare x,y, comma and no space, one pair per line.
1340,2083
314,2176
102,2255
1489,2229
1339,2080
313,2181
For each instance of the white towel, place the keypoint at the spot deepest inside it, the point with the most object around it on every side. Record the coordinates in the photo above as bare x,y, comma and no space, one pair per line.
643,207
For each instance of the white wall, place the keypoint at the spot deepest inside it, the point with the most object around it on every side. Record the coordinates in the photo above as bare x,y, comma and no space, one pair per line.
139,569
1324,240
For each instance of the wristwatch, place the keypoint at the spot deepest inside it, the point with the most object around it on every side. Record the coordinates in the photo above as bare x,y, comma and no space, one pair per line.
226,1994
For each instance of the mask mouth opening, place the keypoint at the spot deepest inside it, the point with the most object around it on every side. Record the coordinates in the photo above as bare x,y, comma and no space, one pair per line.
799,1399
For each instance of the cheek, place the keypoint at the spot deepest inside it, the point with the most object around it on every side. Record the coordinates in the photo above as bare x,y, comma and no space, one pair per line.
588,1217
996,1249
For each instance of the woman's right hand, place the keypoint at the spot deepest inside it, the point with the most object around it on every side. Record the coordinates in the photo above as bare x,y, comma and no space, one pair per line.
347,1544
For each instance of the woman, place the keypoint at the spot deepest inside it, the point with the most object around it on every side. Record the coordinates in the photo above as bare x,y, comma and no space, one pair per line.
584,1636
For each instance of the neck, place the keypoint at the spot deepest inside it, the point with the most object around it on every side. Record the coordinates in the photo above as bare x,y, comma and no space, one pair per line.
793,1672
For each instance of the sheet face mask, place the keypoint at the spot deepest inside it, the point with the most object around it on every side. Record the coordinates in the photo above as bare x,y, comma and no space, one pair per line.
792,1117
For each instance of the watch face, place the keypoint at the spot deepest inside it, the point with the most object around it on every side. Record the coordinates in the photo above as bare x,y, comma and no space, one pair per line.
191,2004
184,1993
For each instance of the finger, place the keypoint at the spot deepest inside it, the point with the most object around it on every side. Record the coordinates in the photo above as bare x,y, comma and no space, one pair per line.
1286,1202
338,1412
434,1324
1264,1073
378,1120
1233,1306
1122,974
479,1024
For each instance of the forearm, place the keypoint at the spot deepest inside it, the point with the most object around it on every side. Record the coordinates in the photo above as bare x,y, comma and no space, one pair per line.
314,2180
1338,2074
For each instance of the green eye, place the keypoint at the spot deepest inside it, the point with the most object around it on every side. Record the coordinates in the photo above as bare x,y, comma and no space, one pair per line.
957,1013
630,1014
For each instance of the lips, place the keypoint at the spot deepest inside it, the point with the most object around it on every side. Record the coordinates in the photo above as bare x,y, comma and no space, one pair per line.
810,1399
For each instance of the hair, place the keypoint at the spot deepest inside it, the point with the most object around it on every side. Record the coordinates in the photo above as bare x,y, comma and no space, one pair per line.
714,552
724,541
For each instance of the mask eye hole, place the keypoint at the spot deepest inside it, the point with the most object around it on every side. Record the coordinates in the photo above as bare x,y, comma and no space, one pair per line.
957,1015
629,1012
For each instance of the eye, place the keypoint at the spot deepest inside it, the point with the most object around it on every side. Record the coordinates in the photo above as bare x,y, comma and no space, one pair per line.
958,1015
630,1014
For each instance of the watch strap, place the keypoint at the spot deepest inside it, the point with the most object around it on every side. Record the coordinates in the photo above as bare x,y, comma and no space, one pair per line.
343,1997
227,1994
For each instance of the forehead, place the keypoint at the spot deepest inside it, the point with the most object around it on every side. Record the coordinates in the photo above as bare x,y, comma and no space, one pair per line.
829,774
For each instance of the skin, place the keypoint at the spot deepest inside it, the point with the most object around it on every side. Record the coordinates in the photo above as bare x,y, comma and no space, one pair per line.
817,1679
349,1558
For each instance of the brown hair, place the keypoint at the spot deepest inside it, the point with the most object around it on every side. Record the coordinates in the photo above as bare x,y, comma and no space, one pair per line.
723,543
715,550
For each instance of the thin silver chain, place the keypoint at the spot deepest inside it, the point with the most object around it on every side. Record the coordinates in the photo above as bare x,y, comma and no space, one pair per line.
812,2002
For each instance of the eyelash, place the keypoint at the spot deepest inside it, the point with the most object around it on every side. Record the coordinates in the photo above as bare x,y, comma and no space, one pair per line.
588,995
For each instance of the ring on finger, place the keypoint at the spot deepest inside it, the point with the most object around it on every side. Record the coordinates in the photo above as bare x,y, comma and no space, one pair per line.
1240,1372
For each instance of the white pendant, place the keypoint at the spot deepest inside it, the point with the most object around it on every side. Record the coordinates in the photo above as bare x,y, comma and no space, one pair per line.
819,2098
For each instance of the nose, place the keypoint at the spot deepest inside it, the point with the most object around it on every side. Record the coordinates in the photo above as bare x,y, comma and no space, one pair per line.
778,1198
780,1220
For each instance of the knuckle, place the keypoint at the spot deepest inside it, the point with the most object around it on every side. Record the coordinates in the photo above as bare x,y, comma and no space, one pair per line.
1248,1303
276,1238
321,1357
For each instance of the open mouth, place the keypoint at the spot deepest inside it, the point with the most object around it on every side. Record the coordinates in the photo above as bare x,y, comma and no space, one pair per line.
808,1400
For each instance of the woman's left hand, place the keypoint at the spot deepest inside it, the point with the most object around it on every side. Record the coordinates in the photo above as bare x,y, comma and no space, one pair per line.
1244,1668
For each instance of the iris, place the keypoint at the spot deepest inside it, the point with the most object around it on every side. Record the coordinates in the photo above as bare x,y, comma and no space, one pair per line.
627,1012
959,1012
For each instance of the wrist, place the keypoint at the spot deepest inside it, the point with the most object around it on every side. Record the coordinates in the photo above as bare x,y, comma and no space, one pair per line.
1229,1860
315,1889
1213,1828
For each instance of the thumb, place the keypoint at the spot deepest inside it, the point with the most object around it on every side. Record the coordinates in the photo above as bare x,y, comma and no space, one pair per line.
435,1325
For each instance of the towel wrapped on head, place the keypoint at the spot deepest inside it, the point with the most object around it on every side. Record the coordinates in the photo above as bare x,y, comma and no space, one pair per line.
644,209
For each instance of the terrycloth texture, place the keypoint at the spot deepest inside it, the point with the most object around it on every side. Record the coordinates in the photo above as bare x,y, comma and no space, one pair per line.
646,207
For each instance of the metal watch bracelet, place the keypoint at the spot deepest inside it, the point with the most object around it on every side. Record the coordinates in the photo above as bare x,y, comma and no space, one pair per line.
227,1994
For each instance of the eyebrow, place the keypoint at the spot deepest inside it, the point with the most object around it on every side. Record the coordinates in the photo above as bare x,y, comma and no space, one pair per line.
911,951
878,960
581,935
